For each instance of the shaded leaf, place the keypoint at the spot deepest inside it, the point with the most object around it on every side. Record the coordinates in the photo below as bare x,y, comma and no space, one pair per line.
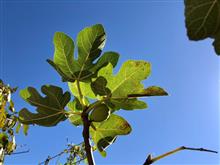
107,57
50,109
99,86
62,74
203,20
127,104
107,131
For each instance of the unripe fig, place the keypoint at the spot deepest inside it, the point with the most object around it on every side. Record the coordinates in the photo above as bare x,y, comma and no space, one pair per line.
100,113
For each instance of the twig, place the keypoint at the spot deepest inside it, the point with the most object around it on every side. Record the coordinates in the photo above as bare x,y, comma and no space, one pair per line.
21,152
49,158
59,154
151,160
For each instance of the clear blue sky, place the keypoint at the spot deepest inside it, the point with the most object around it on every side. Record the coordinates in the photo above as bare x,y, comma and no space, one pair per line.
149,30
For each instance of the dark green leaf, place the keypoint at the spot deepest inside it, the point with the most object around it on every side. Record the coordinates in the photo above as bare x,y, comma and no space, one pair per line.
108,130
63,75
107,57
99,87
203,20
50,109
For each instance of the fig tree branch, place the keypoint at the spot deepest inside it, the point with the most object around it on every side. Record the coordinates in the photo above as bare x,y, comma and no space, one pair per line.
151,160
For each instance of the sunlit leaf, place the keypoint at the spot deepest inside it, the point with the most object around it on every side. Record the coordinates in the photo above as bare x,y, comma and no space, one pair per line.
202,20
105,132
75,112
85,89
126,81
90,42
50,109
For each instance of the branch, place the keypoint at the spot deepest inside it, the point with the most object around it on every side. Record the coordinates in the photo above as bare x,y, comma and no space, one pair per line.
151,160
86,136
86,125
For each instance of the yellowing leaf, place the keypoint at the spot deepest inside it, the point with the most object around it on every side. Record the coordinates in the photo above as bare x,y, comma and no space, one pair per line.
106,132
2,115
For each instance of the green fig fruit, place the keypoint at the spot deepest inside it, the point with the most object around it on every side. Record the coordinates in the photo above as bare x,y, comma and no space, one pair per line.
100,113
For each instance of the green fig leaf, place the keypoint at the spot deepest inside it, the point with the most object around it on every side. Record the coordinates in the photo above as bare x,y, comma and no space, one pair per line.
105,132
150,91
99,87
121,91
126,81
90,42
107,57
75,112
50,109
100,113
202,20
85,89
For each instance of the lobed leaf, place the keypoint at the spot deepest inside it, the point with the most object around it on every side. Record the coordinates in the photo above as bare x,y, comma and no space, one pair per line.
126,81
106,58
90,42
106,132
50,109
